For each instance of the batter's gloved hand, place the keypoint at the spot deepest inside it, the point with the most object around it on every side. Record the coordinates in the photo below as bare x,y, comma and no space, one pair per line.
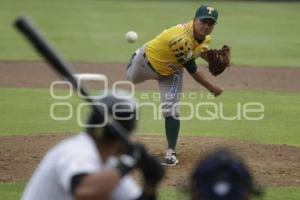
130,159
152,169
218,60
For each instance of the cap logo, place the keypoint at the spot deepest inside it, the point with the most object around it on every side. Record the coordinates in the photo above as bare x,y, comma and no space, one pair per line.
210,10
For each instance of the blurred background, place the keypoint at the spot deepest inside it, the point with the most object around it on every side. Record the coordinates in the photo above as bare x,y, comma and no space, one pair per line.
263,35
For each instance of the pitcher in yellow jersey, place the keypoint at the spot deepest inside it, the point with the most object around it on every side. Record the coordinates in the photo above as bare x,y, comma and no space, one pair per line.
164,59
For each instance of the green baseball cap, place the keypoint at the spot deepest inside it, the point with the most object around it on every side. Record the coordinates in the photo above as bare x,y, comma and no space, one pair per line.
207,12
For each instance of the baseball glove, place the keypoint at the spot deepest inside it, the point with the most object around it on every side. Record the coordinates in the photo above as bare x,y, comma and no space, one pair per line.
218,60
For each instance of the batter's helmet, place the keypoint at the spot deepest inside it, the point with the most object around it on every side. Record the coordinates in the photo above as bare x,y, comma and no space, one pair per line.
123,110
222,176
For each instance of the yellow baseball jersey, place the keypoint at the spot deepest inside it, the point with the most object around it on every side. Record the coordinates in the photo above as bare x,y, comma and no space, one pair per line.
170,50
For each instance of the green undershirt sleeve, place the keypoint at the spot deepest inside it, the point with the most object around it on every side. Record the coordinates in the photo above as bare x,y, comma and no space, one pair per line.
190,66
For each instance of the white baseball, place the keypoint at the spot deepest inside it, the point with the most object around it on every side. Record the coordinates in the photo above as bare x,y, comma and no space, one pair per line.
131,36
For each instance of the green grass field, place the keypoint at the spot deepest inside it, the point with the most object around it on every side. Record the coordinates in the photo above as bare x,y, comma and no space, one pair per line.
36,103
12,191
261,34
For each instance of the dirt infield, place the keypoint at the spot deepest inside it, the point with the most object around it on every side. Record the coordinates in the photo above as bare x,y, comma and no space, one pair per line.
39,75
273,165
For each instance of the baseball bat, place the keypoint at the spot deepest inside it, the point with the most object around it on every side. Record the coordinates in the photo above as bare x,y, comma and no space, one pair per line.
63,68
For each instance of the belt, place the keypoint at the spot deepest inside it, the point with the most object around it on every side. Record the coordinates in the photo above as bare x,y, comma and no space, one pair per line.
149,64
